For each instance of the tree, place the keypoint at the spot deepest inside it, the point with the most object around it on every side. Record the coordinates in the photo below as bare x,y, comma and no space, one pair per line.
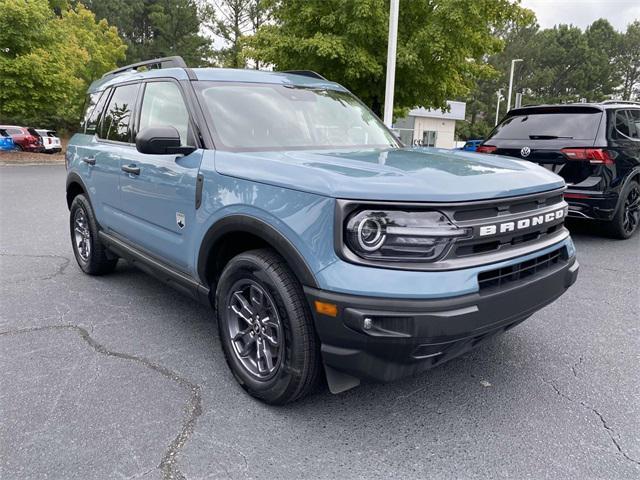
561,64
628,62
442,45
232,21
156,28
47,62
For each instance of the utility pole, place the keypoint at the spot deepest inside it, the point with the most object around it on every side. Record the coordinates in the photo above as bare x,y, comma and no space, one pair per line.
513,63
391,63
499,94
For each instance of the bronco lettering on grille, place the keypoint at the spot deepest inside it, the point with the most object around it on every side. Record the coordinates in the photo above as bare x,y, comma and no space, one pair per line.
521,224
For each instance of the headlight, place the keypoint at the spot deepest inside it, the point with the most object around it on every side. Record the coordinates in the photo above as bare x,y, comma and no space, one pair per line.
394,235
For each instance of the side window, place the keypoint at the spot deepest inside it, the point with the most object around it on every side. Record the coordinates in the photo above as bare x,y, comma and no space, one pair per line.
634,123
90,105
116,121
622,123
163,105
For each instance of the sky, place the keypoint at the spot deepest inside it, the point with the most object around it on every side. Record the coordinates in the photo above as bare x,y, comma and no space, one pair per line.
582,13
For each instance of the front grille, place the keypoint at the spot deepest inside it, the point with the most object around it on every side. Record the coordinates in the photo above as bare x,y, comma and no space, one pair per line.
520,271
471,216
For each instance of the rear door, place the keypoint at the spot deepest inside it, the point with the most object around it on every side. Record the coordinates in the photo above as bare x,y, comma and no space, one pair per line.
540,134
158,201
113,140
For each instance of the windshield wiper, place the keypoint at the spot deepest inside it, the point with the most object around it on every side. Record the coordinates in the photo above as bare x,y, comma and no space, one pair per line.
545,137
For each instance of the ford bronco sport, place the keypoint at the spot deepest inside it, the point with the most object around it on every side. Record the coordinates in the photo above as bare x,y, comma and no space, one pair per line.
325,246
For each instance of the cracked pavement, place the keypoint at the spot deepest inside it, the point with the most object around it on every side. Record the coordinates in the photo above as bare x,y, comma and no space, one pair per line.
122,377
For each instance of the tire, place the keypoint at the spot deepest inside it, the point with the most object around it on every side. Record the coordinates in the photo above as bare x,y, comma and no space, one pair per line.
271,295
90,253
19,148
625,221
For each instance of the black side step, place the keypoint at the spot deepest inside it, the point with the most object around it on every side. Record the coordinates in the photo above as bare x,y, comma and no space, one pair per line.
163,272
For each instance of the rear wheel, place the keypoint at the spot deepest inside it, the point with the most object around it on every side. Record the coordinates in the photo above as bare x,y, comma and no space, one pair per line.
90,254
625,222
266,329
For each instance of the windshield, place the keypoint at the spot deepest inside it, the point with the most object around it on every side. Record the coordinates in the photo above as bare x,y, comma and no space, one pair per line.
548,126
254,117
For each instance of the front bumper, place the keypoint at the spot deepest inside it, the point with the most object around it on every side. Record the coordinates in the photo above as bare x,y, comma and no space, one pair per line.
383,339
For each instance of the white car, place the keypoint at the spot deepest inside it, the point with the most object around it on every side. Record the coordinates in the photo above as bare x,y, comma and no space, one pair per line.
50,141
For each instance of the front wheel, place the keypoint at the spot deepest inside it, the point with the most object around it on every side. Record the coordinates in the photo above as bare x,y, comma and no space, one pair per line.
266,329
625,222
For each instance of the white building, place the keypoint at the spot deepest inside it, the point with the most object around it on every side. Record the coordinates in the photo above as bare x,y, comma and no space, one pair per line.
429,127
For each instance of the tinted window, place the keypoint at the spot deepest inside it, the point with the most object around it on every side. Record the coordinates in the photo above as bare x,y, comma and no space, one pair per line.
279,117
622,123
583,126
163,105
116,124
14,131
634,122
93,112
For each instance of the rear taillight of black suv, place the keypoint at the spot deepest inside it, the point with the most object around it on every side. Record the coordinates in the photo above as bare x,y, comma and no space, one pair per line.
591,155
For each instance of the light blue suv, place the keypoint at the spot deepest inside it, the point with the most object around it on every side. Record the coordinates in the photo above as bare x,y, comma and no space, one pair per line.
327,249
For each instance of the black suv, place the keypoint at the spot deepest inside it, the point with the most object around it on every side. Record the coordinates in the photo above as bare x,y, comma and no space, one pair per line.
594,147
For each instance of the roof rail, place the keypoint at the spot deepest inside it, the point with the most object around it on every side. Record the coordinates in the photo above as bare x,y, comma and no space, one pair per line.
610,102
164,62
305,73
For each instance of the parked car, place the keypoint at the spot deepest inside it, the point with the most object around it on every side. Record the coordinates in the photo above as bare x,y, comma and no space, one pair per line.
324,245
6,142
26,139
471,145
594,147
50,140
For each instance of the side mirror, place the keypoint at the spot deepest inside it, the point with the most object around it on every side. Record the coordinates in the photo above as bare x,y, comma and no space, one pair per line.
161,141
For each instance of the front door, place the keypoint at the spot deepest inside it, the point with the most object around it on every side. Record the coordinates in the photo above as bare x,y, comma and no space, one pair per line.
158,192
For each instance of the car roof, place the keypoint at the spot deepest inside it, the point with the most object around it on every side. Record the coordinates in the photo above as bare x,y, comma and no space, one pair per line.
602,106
216,75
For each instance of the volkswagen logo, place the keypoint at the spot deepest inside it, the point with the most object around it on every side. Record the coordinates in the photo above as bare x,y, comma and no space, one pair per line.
525,151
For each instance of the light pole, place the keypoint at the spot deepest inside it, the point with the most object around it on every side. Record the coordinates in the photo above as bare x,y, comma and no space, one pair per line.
499,94
513,63
391,62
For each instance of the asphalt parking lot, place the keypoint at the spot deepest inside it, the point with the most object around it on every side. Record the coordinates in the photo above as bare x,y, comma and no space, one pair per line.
122,377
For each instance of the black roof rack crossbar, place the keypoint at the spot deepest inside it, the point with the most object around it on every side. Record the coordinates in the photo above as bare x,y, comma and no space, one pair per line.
165,62
305,73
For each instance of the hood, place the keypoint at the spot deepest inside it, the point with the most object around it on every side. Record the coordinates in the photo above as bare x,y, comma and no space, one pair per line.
408,174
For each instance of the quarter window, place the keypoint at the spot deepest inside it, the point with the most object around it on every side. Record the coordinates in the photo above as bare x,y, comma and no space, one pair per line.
622,123
634,123
163,105
116,124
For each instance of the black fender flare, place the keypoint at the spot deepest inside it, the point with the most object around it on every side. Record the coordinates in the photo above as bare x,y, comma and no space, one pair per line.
632,174
254,226
73,177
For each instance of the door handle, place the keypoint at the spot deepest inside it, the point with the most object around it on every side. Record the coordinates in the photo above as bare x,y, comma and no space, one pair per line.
89,160
132,169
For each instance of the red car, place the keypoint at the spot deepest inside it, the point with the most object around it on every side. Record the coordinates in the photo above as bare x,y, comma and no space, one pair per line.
26,139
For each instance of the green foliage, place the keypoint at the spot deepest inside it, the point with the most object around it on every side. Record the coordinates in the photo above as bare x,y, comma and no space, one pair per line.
47,62
232,21
441,44
156,28
628,62
560,64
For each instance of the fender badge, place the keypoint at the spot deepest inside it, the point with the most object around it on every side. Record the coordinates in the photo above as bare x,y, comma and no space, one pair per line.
180,220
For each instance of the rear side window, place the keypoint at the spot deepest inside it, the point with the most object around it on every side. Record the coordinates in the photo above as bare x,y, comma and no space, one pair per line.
622,123
14,131
163,105
116,124
94,111
549,125
634,123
